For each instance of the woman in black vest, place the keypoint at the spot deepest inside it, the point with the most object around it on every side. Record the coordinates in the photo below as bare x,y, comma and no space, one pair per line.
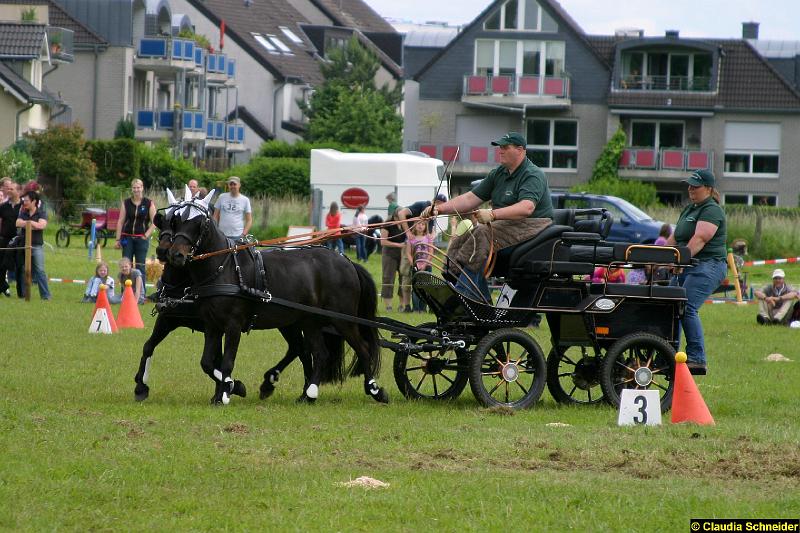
136,225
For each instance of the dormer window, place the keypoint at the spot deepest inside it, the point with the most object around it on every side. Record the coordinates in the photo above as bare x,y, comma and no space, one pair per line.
520,15
655,70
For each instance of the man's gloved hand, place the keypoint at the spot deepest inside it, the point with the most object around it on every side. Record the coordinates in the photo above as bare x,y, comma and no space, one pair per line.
485,216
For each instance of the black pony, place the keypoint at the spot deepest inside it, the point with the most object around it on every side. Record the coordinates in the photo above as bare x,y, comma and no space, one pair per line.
176,311
233,291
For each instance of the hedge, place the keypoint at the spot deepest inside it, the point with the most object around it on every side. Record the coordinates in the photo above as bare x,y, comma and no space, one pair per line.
118,162
276,177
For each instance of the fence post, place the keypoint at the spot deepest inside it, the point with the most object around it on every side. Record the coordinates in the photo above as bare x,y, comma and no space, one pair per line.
28,248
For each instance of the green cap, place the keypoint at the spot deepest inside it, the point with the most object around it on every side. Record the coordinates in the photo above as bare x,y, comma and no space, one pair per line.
701,178
512,137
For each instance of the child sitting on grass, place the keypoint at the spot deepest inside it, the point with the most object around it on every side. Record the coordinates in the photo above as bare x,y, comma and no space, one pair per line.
100,277
127,272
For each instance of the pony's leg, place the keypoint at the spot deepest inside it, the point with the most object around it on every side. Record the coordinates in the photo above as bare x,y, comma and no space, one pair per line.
232,337
212,360
315,344
163,327
365,360
295,348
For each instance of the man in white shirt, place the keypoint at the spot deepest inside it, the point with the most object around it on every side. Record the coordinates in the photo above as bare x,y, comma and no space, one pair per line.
232,211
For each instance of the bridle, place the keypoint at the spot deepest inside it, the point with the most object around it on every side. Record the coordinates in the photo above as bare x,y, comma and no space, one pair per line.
183,209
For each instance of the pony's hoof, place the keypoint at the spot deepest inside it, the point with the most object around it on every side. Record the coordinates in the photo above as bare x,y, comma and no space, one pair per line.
266,390
239,389
305,399
216,399
141,392
382,396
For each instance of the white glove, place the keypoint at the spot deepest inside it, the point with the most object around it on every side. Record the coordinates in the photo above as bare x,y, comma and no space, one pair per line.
485,216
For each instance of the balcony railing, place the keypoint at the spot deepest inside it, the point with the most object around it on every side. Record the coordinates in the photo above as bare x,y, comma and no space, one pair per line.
235,134
215,130
221,64
679,159
489,155
62,47
165,48
191,120
665,83
512,85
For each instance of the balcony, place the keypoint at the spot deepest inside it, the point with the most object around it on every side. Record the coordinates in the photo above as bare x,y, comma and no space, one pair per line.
220,69
516,91
154,125
215,134
665,83
667,163
62,47
165,55
235,137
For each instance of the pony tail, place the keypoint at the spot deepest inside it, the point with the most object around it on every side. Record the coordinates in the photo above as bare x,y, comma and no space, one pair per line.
367,309
715,195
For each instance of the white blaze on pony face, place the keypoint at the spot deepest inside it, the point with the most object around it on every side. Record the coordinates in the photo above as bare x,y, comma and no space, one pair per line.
312,391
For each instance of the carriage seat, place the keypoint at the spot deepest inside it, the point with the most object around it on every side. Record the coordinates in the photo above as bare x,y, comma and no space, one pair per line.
605,253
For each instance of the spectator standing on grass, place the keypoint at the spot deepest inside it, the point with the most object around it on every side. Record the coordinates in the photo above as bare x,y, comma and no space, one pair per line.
393,240
136,225
392,199
9,211
233,212
419,244
100,277
127,272
776,300
702,227
360,222
31,210
333,221
194,187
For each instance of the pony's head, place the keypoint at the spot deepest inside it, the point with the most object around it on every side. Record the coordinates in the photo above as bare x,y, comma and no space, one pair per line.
183,226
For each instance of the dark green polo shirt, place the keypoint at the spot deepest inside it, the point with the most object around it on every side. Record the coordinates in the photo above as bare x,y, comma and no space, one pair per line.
527,182
706,211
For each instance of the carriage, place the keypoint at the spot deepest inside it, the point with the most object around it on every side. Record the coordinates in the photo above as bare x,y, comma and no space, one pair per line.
605,336
105,225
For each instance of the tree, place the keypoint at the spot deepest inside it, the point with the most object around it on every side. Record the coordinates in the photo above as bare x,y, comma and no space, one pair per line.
61,156
125,129
348,107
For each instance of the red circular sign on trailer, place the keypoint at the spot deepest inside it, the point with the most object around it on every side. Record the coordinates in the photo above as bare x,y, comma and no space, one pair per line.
355,197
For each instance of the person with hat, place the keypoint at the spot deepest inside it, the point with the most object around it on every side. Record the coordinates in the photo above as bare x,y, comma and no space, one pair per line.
775,300
521,208
415,210
702,227
233,212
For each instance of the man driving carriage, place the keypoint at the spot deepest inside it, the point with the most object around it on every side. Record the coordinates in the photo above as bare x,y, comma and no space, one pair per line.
521,208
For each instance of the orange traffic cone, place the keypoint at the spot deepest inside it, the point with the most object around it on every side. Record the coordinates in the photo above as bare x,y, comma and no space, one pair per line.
102,303
687,402
129,316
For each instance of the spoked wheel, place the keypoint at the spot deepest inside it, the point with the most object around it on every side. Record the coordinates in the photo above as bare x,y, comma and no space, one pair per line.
639,361
101,236
507,369
62,238
434,374
573,375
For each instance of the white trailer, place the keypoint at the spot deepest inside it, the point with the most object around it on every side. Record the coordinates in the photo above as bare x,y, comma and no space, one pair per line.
411,177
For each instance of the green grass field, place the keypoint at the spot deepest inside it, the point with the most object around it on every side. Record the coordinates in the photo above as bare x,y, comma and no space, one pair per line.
79,453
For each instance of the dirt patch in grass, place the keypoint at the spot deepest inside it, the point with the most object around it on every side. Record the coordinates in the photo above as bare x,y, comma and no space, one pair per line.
237,428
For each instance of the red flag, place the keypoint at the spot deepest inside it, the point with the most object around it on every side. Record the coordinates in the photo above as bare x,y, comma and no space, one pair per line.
222,35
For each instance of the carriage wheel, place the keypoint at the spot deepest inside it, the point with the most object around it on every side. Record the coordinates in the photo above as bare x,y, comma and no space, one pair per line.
573,375
62,238
100,236
507,369
431,374
639,361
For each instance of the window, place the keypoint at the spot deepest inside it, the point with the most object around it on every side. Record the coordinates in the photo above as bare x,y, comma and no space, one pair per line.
291,35
334,42
520,15
520,58
263,41
750,199
752,149
281,46
553,144
657,134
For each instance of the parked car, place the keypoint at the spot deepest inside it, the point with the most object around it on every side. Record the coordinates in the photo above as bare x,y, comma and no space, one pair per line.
631,224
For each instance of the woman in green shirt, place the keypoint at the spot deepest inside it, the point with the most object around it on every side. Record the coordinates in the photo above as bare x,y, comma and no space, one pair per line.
703,228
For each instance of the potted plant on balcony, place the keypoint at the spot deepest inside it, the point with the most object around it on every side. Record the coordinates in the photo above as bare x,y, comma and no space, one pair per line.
55,43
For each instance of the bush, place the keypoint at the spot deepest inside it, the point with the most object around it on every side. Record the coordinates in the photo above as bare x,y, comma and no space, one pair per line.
62,159
17,165
159,169
607,165
125,129
107,194
118,162
276,177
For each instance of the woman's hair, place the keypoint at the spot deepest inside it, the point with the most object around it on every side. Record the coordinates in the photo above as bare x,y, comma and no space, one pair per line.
715,195
33,195
423,226
334,208
125,260
100,265
665,231
360,209
137,181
